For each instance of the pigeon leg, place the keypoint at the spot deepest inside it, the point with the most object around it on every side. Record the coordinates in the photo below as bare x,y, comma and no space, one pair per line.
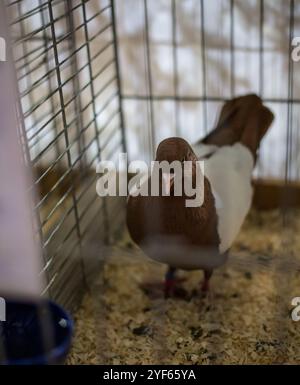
170,282
172,287
205,283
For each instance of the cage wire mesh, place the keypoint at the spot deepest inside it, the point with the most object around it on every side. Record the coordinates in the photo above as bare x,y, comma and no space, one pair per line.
191,55
166,66
65,55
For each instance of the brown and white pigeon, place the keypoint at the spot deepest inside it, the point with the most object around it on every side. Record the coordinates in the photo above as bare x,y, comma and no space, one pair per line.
200,237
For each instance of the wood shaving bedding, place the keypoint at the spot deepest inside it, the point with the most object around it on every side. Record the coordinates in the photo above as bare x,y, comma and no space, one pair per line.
245,320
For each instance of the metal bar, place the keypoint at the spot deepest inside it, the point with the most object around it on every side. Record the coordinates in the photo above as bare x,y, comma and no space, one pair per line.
200,98
261,66
149,79
232,47
261,48
76,87
118,71
86,32
281,327
26,66
47,64
28,78
203,61
175,67
289,133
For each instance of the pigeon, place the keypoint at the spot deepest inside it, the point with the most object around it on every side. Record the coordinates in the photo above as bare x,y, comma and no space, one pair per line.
200,237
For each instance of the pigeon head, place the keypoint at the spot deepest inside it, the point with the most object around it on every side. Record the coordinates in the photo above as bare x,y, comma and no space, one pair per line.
172,149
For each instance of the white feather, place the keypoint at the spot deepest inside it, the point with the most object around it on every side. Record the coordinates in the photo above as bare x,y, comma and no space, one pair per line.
229,170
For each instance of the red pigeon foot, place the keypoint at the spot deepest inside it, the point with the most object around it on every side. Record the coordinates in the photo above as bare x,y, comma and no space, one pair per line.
172,288
158,289
205,283
205,286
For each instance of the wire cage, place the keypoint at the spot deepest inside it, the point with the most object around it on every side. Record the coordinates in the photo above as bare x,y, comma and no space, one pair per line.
100,77
68,76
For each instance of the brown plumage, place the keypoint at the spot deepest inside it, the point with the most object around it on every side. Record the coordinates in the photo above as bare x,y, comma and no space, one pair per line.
188,237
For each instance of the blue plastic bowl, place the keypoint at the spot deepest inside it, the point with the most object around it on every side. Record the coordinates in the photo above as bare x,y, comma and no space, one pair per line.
35,333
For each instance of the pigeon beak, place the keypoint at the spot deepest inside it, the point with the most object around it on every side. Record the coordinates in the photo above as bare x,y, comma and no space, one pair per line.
168,180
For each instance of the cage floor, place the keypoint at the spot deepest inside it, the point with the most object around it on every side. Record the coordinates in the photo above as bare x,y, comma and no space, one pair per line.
246,319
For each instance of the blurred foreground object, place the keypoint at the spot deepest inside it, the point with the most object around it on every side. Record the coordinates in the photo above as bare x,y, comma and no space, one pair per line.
20,265
35,334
